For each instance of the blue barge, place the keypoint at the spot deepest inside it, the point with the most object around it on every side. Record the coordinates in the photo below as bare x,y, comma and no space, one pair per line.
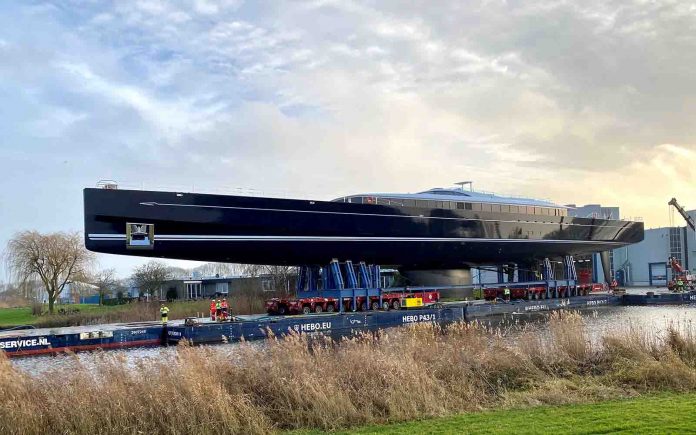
30,342
346,324
651,298
33,342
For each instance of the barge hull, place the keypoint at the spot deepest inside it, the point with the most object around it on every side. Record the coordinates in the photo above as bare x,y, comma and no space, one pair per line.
78,339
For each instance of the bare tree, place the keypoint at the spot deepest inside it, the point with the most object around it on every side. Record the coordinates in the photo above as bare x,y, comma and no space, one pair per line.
221,269
104,280
55,259
151,276
280,277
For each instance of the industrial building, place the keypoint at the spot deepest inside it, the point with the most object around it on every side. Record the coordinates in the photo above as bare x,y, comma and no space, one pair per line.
646,263
197,287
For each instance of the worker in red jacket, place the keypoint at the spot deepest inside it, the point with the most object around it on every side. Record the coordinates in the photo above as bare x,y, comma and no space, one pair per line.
212,310
225,309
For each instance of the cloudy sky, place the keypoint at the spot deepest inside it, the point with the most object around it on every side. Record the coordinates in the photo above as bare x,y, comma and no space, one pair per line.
577,102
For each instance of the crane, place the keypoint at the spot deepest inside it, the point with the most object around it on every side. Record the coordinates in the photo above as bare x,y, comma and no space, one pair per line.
681,275
689,220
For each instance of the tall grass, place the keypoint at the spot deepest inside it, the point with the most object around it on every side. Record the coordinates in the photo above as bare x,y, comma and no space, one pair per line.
304,382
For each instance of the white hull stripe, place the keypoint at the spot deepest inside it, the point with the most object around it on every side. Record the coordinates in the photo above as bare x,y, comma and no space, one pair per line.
220,238
159,204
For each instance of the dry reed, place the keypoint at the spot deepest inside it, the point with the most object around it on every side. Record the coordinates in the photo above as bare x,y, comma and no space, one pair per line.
300,382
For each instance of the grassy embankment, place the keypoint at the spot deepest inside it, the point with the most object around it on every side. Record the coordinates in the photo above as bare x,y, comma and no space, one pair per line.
403,374
86,314
91,314
664,413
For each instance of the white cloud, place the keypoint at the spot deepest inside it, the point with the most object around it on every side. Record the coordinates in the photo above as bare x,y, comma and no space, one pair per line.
169,116
56,122
576,102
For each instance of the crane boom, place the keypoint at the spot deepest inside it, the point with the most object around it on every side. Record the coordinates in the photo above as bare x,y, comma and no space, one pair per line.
689,220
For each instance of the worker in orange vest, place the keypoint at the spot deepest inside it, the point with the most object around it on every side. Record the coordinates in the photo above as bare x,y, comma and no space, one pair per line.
225,309
212,310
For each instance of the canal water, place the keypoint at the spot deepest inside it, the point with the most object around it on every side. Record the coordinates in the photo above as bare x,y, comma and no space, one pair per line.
600,322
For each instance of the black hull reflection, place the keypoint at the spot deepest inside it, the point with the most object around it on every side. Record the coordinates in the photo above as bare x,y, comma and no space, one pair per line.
282,231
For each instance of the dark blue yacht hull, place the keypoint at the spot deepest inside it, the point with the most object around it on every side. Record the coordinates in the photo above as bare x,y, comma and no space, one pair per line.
257,230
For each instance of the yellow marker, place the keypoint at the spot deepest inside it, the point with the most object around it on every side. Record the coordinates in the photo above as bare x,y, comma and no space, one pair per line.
413,302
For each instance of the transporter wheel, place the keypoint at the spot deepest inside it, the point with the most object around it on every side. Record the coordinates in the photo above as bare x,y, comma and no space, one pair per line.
306,309
385,305
282,310
363,306
318,309
375,306
396,304
330,308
